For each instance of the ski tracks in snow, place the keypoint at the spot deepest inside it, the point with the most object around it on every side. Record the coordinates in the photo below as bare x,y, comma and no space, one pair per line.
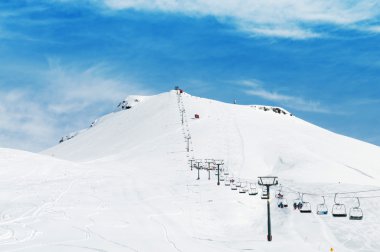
19,225
241,141
234,144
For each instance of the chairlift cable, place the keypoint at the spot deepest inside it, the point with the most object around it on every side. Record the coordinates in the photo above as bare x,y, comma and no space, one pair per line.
360,197
333,194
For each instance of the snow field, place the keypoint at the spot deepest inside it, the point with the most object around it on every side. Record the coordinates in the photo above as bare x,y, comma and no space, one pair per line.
128,184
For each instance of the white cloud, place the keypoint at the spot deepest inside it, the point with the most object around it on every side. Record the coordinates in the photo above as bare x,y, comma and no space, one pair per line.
375,29
285,32
24,123
367,101
252,83
75,90
275,18
70,100
294,102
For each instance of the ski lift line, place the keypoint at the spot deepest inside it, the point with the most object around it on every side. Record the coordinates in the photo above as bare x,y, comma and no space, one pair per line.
290,190
332,194
360,197
373,190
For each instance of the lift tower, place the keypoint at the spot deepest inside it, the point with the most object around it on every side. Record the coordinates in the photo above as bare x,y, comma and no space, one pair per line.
268,181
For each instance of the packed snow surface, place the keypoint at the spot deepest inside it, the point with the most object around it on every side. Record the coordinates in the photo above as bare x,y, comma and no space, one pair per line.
125,184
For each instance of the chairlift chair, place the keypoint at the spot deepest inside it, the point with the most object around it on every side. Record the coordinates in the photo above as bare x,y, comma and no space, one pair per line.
243,188
226,172
306,206
232,181
227,181
297,201
279,193
282,203
338,209
264,193
221,178
238,184
264,196
233,187
322,208
356,213
252,190
233,184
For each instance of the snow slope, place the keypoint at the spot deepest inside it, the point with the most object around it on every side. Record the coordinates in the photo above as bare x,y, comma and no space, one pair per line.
127,185
252,141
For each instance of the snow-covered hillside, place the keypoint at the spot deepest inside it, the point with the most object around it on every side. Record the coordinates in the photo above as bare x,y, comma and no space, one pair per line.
251,140
126,184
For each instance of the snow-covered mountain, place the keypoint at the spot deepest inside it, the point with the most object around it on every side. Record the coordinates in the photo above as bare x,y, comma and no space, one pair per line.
126,184
252,140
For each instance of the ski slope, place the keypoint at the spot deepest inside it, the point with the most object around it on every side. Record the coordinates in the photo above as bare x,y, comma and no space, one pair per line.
125,183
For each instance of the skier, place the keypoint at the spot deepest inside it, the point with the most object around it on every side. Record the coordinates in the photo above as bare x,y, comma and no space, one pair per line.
295,205
300,205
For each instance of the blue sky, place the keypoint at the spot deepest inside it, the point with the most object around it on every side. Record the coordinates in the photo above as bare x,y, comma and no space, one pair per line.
64,62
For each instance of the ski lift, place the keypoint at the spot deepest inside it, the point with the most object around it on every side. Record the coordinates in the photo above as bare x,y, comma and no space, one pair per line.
226,172
221,178
279,194
322,208
282,202
232,180
356,213
338,209
252,190
233,187
297,200
227,181
238,184
264,193
305,207
243,189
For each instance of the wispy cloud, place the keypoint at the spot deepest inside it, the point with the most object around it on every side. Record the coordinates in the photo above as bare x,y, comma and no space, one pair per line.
375,28
366,101
256,88
294,19
70,98
24,123
75,90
